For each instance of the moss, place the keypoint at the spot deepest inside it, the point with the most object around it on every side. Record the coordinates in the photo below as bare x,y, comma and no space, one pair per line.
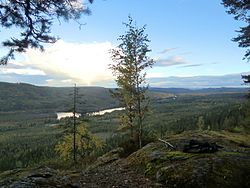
153,166
145,155
229,167
149,170
238,129
136,158
178,155
15,172
226,153
177,175
13,175
229,173
240,139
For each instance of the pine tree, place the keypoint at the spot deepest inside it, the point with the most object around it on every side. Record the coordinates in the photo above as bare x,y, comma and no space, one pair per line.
240,9
34,20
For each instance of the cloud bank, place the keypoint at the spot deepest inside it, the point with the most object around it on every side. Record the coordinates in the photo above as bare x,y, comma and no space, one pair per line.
233,80
67,63
64,63
170,61
22,71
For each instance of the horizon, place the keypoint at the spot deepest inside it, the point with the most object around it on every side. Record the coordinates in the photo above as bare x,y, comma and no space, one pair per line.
186,41
243,86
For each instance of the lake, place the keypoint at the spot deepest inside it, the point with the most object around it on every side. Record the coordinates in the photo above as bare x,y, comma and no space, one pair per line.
102,112
61,115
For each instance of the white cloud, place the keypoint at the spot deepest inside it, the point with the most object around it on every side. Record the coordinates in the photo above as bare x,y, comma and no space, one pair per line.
49,80
172,60
67,81
15,63
61,83
22,71
192,65
154,75
167,50
63,62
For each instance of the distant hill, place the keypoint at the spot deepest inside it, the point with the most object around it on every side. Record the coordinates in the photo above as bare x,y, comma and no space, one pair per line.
20,97
203,90
26,97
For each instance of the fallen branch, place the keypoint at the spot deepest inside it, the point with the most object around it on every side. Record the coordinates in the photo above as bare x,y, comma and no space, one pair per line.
166,143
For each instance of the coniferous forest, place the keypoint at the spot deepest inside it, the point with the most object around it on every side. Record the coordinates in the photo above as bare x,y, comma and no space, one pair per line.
165,104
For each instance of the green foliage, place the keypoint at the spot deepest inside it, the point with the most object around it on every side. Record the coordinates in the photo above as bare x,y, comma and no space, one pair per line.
31,99
201,123
34,19
177,115
29,139
240,9
170,116
86,144
27,145
131,60
244,125
129,144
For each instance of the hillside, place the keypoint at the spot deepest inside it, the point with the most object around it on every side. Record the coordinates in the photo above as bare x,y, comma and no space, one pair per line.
154,165
29,132
20,97
26,97
200,91
21,102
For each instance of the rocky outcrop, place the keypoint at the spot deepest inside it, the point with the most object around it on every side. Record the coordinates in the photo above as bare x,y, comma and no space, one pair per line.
228,167
155,165
42,177
107,158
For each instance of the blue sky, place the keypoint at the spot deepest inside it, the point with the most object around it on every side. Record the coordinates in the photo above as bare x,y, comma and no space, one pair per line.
189,38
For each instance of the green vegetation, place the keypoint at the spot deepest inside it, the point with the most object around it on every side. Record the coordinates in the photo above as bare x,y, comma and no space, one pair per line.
86,144
130,62
27,145
218,111
34,21
229,167
29,98
28,138
240,10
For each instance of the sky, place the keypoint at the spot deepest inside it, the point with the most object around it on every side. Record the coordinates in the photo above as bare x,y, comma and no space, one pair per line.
190,42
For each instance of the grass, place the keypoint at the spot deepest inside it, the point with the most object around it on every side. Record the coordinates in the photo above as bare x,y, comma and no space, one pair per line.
238,138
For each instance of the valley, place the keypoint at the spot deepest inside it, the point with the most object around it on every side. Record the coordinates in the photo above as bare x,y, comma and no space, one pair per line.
27,113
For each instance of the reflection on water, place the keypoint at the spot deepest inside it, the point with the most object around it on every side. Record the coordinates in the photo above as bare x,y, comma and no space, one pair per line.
102,112
61,115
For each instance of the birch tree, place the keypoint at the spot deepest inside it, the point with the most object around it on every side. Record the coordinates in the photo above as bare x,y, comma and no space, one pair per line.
130,63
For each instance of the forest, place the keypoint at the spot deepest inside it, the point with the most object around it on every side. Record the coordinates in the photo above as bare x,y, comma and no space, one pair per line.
28,137
176,113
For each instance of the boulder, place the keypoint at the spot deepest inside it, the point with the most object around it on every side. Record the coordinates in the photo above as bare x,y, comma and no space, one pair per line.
109,157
